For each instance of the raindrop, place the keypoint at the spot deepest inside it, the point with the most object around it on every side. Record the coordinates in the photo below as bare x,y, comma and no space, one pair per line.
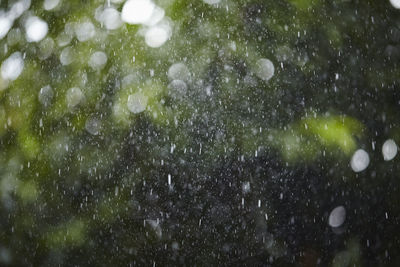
389,150
93,126
85,31
14,37
50,4
156,36
337,216
45,95
359,161
175,245
157,15
111,18
155,225
5,256
137,102
36,29
178,71
98,60
264,69
74,97
12,67
169,179
137,11
18,8
65,37
5,25
395,3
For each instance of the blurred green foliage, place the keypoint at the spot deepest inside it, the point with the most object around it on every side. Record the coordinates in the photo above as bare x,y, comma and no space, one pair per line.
220,167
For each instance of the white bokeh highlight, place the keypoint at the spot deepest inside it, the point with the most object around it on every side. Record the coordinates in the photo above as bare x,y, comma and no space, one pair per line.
50,4
359,160
337,217
137,11
36,29
264,69
137,102
12,67
395,3
389,150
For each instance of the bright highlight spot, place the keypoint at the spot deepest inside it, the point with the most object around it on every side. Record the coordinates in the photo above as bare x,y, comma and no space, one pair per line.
46,48
337,216
246,187
395,3
36,29
12,67
359,161
389,150
178,71
156,36
137,11
156,16
66,56
177,89
93,126
18,8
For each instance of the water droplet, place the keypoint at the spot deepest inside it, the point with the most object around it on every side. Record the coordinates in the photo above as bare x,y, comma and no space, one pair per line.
156,16
85,31
74,97
178,71
389,150
177,89
46,48
66,56
264,69
246,187
5,25
46,95
111,18
337,216
395,3
93,126
137,11
50,4
157,35
359,161
36,29
137,102
212,2
12,67
98,60
155,225
18,8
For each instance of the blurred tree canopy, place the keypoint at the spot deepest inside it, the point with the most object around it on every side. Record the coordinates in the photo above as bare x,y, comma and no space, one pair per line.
180,132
